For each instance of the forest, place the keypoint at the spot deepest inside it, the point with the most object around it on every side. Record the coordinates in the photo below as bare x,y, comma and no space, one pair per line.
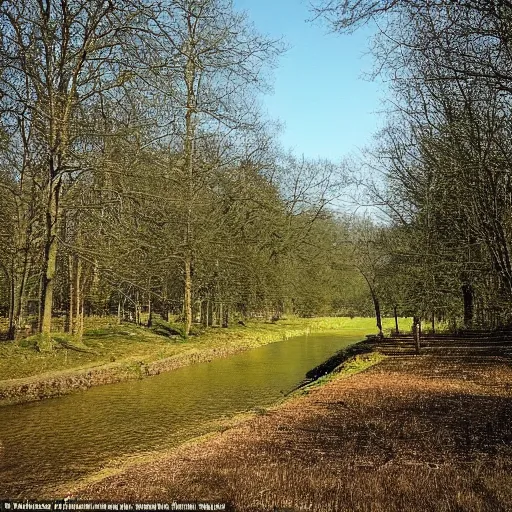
440,168
191,311
139,174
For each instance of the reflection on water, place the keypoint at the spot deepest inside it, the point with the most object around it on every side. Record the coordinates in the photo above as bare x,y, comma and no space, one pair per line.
43,444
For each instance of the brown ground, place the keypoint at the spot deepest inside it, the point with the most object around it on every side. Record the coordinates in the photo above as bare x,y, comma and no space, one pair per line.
412,433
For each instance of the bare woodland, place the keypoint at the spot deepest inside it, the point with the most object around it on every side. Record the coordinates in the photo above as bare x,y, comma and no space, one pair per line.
441,169
137,171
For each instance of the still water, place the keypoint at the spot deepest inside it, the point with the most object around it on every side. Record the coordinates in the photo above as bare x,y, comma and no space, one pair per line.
44,445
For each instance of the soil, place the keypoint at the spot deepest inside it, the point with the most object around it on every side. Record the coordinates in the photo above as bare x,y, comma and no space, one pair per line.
411,433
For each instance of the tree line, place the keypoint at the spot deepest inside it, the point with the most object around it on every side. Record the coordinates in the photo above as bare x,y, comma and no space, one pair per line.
138,173
441,169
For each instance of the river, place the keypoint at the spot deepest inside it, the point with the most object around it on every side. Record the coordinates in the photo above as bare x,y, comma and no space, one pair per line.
44,445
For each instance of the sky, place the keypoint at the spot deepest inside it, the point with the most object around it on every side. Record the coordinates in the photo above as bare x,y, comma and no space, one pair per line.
328,109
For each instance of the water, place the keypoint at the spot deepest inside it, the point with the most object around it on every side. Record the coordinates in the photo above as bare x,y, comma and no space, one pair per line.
44,445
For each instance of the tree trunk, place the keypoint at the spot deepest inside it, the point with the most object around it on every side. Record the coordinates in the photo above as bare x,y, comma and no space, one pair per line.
190,75
78,321
20,302
19,269
50,255
80,330
11,333
396,320
150,313
378,318
210,313
119,312
433,323
225,319
376,303
467,294
187,305
214,314
416,333
137,309
71,305
204,313
18,292
47,288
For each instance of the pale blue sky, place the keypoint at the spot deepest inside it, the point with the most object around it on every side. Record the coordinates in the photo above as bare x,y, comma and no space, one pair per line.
328,109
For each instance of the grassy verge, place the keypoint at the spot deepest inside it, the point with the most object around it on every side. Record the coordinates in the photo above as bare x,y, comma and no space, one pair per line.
352,366
108,353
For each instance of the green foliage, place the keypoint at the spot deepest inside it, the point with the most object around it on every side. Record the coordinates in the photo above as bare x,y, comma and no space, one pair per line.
360,363
44,343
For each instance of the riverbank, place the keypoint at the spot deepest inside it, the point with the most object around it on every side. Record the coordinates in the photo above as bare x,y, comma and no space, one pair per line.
109,353
410,433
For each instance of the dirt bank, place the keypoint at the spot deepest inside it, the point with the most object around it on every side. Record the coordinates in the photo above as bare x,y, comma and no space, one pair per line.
40,387
411,433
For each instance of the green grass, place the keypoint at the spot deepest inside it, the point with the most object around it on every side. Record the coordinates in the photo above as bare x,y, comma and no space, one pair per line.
98,346
358,324
350,367
105,342
360,363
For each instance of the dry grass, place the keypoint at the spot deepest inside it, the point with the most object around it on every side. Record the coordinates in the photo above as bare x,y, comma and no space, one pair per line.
417,433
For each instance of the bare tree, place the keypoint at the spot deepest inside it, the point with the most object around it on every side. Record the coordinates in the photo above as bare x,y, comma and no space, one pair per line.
222,60
58,58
